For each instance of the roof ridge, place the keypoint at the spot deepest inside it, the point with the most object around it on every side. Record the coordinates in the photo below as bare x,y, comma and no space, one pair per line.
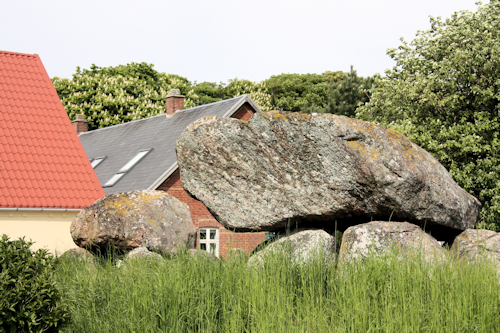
202,105
19,53
128,122
162,115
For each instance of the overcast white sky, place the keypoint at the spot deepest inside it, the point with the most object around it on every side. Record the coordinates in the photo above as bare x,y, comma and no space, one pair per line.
217,40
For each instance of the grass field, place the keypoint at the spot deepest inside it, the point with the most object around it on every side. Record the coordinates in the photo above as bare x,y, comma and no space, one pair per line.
188,294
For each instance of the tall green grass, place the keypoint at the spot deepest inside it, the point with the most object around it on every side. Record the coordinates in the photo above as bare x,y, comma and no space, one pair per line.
189,294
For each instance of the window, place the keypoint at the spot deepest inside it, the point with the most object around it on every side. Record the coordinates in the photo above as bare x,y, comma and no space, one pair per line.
96,161
126,168
134,161
209,240
116,177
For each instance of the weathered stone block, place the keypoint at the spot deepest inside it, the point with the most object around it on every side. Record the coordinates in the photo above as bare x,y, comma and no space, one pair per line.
304,168
152,219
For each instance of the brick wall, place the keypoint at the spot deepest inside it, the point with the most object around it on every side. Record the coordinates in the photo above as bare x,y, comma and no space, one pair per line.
202,217
173,104
80,126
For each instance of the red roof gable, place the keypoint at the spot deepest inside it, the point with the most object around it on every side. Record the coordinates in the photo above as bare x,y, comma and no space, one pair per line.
42,162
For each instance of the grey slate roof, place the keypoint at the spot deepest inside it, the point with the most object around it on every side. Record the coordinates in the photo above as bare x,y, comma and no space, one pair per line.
120,143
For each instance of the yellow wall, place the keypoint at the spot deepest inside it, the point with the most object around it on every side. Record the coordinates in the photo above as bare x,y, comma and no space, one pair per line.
48,229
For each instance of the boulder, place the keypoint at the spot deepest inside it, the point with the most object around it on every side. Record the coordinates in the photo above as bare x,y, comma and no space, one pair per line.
236,254
201,254
473,244
302,246
378,237
283,167
79,254
142,252
152,219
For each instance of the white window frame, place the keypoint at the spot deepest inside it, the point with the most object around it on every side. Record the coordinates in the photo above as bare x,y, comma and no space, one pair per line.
207,242
127,167
96,161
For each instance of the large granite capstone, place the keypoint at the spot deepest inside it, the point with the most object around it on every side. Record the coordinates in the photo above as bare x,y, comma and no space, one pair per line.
152,219
283,167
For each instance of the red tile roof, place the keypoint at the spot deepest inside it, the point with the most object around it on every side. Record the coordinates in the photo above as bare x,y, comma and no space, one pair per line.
42,162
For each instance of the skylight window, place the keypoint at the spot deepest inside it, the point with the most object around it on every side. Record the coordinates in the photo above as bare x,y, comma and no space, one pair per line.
116,177
96,161
126,168
134,161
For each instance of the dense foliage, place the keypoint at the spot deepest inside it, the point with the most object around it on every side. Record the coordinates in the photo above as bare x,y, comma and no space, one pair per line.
113,95
444,95
344,95
290,92
29,300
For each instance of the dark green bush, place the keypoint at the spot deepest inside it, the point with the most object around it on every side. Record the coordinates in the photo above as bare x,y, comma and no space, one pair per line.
29,300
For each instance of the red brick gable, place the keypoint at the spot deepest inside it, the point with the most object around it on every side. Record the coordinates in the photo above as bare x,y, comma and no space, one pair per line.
202,217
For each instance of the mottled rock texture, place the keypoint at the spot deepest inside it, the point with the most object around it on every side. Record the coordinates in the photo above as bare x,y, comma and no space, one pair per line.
377,237
152,219
236,254
142,253
301,246
79,254
282,166
201,254
473,244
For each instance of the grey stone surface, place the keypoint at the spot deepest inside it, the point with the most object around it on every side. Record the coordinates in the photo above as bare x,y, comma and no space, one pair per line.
474,244
202,254
302,246
377,238
79,254
282,166
142,252
152,219
236,254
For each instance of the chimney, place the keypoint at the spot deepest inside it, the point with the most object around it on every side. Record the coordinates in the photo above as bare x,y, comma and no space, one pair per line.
175,101
80,124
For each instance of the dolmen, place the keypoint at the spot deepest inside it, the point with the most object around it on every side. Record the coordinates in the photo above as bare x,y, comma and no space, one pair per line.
284,169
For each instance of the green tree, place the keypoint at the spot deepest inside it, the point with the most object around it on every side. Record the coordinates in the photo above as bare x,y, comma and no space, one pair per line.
113,95
443,93
257,91
344,95
209,92
290,92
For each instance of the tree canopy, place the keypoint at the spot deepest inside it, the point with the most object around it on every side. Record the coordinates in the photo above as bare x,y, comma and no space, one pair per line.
443,93
290,92
112,95
344,95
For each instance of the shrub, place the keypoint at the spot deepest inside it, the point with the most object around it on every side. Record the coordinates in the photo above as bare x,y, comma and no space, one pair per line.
29,300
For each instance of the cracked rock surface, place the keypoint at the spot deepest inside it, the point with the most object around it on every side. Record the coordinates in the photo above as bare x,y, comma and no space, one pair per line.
283,166
474,244
152,219
302,247
377,237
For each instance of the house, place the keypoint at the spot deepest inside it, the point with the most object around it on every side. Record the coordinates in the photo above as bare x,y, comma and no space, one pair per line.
45,175
140,155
